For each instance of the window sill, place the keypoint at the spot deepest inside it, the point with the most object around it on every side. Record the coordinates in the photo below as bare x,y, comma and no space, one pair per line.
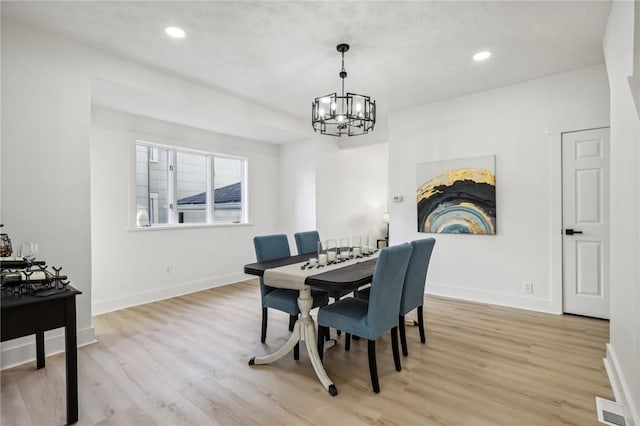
187,226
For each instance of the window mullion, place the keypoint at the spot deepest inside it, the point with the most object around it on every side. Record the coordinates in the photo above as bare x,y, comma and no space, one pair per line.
173,184
210,192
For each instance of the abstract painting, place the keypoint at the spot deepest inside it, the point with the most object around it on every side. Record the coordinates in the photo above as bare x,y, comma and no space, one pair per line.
457,196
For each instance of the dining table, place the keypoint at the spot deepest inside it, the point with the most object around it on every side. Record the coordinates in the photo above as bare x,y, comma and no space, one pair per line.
294,272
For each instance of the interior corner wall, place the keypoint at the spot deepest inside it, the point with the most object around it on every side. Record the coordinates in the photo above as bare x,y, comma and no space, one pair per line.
351,191
623,352
46,131
297,187
519,124
155,264
339,192
45,168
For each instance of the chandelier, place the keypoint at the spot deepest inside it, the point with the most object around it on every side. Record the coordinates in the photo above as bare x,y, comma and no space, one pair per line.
349,114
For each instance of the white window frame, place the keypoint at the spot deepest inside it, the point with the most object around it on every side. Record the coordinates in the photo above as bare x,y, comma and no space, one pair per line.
172,184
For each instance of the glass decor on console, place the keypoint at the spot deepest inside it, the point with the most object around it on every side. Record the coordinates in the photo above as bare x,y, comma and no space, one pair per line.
23,274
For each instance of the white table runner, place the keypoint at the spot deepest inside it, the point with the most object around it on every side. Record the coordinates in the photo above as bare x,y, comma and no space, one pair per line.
291,276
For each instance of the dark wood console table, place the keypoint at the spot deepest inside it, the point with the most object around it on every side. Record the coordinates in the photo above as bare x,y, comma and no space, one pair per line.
25,315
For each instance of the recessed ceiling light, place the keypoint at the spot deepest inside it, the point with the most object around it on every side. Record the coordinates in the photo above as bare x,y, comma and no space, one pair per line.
175,32
482,56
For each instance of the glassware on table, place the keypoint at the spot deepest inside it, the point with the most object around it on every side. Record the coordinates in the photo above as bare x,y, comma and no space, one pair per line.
332,250
345,248
356,248
6,249
364,240
29,250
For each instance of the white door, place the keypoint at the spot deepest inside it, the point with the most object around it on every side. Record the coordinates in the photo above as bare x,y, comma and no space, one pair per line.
585,194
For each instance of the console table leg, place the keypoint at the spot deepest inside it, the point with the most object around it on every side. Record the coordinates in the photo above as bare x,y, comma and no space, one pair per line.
71,358
40,349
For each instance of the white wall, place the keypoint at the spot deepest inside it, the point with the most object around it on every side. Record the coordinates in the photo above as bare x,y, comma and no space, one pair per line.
298,187
351,192
46,129
521,125
623,352
199,257
339,191
45,166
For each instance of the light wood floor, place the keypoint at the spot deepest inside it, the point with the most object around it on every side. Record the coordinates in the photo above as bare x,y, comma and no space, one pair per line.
183,361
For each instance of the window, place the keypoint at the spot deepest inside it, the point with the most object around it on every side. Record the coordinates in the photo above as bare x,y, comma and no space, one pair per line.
177,186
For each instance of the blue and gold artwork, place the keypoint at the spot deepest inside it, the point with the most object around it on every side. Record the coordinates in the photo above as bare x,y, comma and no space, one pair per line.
457,196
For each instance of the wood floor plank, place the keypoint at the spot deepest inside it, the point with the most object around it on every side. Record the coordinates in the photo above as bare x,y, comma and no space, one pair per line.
14,410
183,361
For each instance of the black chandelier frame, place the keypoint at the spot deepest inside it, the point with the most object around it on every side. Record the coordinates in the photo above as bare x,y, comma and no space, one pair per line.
336,115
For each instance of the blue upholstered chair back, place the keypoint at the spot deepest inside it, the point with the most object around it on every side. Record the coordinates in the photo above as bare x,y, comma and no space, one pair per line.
414,281
270,247
307,242
386,288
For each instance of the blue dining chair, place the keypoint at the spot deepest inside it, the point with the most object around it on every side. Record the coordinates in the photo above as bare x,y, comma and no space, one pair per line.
307,242
370,319
270,247
413,290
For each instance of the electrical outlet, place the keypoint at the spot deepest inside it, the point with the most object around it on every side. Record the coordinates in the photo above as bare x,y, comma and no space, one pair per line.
527,287
168,269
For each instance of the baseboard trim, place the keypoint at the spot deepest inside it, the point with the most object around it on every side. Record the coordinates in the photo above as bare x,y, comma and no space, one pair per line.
21,351
619,385
141,298
528,302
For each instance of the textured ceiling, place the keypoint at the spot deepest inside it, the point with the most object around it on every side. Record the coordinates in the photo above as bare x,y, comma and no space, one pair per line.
282,54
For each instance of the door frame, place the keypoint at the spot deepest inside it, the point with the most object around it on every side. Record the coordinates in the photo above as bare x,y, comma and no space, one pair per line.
555,148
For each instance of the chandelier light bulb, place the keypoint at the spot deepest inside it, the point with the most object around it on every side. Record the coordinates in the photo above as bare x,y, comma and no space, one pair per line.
358,107
333,107
340,118
321,112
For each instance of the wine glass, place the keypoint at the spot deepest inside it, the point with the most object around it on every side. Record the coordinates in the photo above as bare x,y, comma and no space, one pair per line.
356,248
345,244
29,250
364,240
332,248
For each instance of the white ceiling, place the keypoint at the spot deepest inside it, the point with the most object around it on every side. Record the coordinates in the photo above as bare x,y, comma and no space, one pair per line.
282,54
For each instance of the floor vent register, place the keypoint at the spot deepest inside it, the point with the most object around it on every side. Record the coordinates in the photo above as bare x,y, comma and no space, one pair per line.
611,413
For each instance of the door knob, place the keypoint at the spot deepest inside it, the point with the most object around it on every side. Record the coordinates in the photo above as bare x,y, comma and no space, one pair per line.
571,232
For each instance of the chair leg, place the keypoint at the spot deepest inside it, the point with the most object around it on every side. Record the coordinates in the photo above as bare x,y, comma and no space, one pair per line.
335,299
423,338
263,336
347,342
403,336
373,368
322,333
296,348
394,347
292,321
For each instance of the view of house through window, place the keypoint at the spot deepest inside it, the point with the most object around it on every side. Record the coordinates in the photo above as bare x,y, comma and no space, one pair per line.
191,190
228,189
175,186
152,185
